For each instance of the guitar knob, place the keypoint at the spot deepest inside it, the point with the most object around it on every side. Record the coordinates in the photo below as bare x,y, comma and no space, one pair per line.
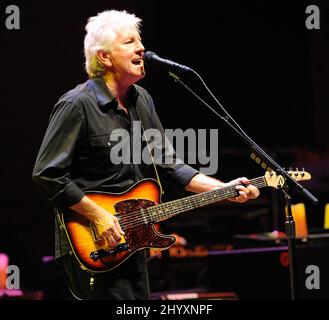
94,255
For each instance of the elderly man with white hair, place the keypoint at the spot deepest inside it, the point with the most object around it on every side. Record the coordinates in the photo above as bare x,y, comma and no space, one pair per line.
77,156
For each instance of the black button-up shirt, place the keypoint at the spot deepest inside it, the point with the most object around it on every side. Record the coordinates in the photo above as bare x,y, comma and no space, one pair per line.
75,155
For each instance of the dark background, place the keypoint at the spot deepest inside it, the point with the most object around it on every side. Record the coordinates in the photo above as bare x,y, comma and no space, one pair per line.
258,58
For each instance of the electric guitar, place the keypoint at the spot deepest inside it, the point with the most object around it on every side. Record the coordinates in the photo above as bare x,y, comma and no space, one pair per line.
138,209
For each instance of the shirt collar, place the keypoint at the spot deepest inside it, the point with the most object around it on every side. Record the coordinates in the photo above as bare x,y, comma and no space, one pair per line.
105,97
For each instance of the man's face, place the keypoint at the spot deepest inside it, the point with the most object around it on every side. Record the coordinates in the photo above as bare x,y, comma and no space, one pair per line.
127,56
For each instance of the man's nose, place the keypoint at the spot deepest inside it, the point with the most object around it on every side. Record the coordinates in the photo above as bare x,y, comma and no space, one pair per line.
140,47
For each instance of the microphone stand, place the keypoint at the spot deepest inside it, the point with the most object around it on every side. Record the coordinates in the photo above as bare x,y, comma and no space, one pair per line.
289,184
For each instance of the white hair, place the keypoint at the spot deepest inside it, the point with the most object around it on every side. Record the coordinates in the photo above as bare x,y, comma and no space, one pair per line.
101,32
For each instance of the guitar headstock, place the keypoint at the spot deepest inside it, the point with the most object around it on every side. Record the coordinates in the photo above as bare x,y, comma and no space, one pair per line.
277,181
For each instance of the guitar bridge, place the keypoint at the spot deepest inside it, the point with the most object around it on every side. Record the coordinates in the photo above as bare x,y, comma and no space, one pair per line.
95,255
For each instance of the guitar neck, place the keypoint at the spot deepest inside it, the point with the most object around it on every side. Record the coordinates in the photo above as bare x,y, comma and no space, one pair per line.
172,208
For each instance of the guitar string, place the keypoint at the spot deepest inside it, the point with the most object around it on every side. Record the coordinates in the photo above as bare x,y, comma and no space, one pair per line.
210,195
155,211
258,182
147,215
190,199
144,217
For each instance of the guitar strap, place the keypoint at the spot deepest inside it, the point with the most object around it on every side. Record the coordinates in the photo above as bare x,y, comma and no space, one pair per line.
143,122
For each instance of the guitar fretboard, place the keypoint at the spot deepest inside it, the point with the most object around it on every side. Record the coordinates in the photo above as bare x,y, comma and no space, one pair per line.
169,209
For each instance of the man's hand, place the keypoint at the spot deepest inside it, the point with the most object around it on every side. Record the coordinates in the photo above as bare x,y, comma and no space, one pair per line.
202,183
245,192
107,225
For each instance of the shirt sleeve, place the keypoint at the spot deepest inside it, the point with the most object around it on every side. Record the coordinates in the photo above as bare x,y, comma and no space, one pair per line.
51,170
171,168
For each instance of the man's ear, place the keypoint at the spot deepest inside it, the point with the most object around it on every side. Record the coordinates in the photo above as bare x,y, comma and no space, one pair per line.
104,58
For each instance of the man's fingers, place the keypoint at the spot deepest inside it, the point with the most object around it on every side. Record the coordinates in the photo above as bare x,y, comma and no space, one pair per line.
110,239
253,192
243,189
116,221
116,235
242,197
244,180
112,235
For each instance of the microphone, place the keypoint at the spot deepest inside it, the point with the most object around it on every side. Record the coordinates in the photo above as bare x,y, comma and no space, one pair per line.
152,58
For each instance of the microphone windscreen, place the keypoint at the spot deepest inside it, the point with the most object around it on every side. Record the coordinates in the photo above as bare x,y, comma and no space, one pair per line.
148,55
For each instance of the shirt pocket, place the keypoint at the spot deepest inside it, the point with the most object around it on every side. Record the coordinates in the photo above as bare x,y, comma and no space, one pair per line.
111,150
